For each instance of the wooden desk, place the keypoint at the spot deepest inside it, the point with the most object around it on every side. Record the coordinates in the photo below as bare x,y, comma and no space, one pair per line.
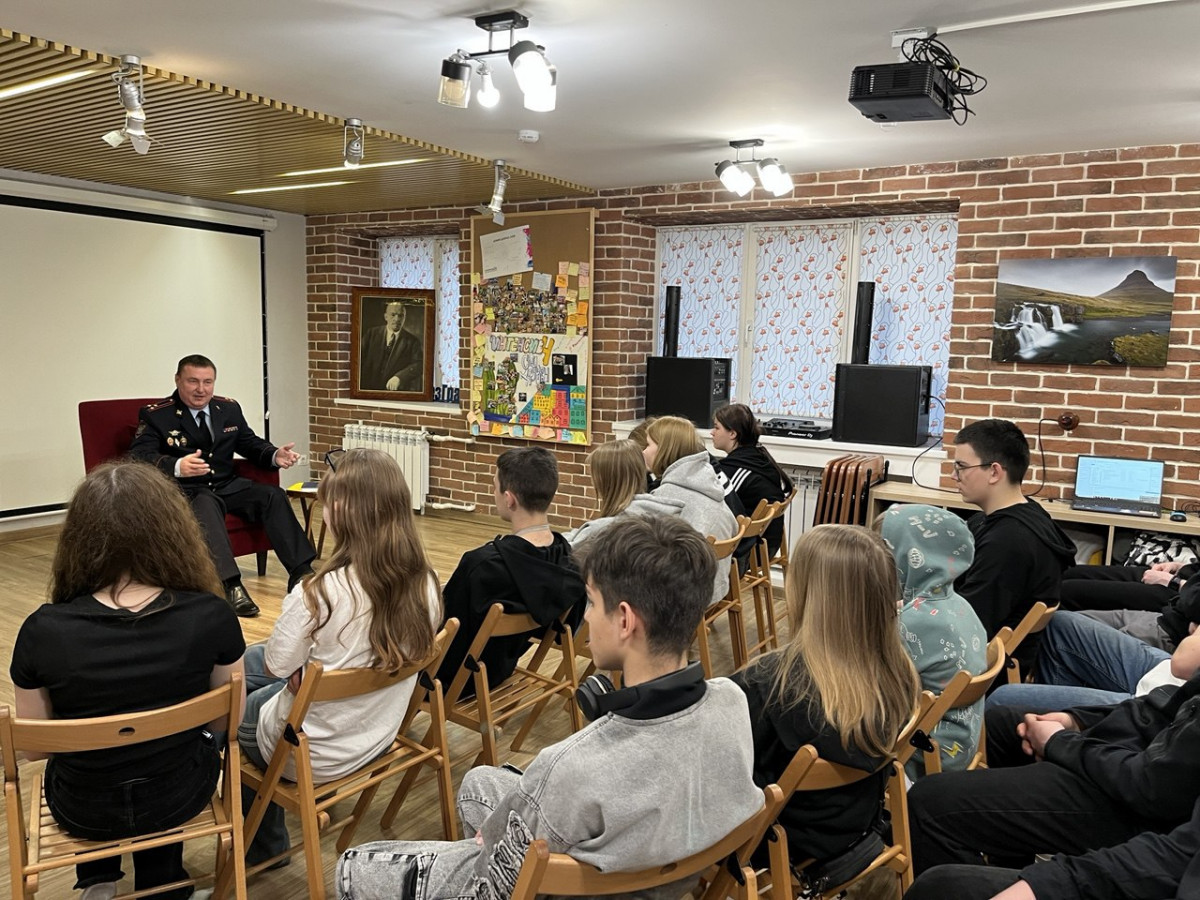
890,492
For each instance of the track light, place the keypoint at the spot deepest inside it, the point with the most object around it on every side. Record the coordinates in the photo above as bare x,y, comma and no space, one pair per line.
352,143
131,92
497,202
536,76
736,175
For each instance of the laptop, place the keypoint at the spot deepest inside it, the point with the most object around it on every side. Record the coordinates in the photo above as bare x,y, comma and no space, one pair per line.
1131,487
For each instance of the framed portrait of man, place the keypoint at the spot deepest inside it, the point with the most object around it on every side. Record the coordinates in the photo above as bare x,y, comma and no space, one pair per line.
391,344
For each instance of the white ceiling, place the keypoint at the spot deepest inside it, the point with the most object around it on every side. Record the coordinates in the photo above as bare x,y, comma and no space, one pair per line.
650,91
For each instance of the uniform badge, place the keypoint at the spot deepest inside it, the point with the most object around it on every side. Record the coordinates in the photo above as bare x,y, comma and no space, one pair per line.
176,439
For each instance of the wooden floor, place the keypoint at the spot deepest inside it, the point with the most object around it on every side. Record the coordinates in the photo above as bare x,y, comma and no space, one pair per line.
25,560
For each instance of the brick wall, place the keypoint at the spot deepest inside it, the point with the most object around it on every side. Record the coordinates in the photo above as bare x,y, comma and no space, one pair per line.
1133,201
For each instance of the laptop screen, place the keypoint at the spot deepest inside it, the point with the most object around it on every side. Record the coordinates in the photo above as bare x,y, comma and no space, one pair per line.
1112,478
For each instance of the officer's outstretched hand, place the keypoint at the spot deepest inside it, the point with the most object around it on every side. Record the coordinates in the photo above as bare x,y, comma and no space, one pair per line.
191,466
286,457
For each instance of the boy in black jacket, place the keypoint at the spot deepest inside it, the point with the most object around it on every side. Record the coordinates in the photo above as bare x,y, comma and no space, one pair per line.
529,570
1102,775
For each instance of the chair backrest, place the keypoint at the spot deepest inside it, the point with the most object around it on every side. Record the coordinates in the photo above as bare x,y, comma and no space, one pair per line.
979,685
497,623
107,428
102,733
724,548
1035,620
556,874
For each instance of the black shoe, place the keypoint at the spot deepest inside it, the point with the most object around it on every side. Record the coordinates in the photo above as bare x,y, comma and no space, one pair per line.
240,601
296,577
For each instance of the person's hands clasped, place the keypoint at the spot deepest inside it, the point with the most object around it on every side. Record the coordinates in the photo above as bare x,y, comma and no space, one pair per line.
192,465
286,457
1161,573
1036,730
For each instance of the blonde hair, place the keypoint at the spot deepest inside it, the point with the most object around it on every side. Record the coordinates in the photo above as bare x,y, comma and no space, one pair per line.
370,511
618,475
845,651
676,438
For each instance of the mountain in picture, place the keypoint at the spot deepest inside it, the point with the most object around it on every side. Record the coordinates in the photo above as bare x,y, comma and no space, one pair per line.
1103,311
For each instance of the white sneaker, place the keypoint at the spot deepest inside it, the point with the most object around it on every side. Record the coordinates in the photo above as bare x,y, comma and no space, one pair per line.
104,891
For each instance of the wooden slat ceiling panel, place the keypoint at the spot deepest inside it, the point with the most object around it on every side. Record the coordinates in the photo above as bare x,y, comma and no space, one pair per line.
213,140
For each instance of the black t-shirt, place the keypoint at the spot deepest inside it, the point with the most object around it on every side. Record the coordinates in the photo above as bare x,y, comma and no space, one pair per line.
94,660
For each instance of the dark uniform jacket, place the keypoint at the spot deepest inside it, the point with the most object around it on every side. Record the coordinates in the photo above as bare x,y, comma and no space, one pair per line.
167,431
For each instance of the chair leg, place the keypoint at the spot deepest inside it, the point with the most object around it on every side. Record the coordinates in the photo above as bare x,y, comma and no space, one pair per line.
310,828
702,640
487,727
261,556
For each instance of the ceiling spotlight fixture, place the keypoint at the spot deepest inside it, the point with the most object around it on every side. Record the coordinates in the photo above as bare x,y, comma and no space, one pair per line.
536,75
352,143
738,174
497,202
131,92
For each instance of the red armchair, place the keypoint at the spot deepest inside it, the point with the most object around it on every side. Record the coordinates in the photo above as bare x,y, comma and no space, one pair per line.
107,428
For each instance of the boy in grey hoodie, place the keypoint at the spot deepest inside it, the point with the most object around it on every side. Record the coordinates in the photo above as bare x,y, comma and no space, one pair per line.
664,773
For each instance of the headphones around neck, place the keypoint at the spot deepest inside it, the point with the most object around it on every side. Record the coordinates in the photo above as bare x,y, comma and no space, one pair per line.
597,696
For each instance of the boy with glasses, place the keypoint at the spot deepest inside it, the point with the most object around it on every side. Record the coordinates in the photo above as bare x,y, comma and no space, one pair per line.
1020,553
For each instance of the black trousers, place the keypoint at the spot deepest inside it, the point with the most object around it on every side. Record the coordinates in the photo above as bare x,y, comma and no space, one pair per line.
962,883
251,502
1112,587
1013,810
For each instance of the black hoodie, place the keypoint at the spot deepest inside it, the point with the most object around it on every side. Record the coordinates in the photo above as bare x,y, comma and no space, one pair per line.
541,581
753,476
1020,555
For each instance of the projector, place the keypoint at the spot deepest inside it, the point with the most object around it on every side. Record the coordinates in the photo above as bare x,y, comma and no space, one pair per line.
900,92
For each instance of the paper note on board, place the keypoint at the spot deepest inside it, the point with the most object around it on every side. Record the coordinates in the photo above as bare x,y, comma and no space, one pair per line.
585,280
573,269
563,266
585,293
506,252
560,281
585,268
542,281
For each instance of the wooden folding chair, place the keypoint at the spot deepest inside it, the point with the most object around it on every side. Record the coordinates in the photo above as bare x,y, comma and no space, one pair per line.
782,558
730,606
757,580
967,690
545,874
1035,620
310,801
526,689
37,844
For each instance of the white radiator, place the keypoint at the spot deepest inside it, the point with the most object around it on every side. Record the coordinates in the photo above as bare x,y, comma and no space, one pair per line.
808,487
410,448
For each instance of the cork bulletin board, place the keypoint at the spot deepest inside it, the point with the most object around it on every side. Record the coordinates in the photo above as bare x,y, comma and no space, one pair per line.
531,326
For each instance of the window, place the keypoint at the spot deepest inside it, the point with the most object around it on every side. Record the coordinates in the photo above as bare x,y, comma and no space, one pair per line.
778,300
430,263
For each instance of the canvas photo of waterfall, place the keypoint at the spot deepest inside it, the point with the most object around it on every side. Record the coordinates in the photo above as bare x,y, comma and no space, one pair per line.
1108,311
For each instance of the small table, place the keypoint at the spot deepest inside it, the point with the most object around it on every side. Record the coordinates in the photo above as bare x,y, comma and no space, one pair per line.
306,492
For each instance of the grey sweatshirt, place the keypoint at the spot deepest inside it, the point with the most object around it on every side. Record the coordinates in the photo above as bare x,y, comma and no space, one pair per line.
692,481
626,794
641,505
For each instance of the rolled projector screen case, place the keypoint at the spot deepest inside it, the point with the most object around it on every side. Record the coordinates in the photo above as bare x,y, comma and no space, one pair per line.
882,404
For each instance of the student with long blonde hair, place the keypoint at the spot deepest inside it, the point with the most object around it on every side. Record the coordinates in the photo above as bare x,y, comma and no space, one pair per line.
373,603
619,479
843,683
677,458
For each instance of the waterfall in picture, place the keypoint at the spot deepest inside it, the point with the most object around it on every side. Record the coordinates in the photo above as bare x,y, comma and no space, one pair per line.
1056,318
1036,325
1031,329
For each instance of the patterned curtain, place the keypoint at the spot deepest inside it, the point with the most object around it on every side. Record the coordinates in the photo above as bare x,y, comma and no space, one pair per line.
417,262
799,317
706,262
911,261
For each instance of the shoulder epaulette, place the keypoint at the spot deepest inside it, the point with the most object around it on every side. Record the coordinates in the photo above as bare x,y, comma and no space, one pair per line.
158,404
225,399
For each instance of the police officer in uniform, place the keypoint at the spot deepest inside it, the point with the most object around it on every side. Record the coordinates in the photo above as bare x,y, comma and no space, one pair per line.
192,436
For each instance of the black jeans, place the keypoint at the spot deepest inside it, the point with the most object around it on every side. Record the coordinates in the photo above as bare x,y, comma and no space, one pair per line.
962,883
1012,813
1112,587
101,812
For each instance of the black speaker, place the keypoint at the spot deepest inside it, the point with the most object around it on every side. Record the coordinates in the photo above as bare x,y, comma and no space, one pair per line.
687,387
671,321
864,317
882,404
